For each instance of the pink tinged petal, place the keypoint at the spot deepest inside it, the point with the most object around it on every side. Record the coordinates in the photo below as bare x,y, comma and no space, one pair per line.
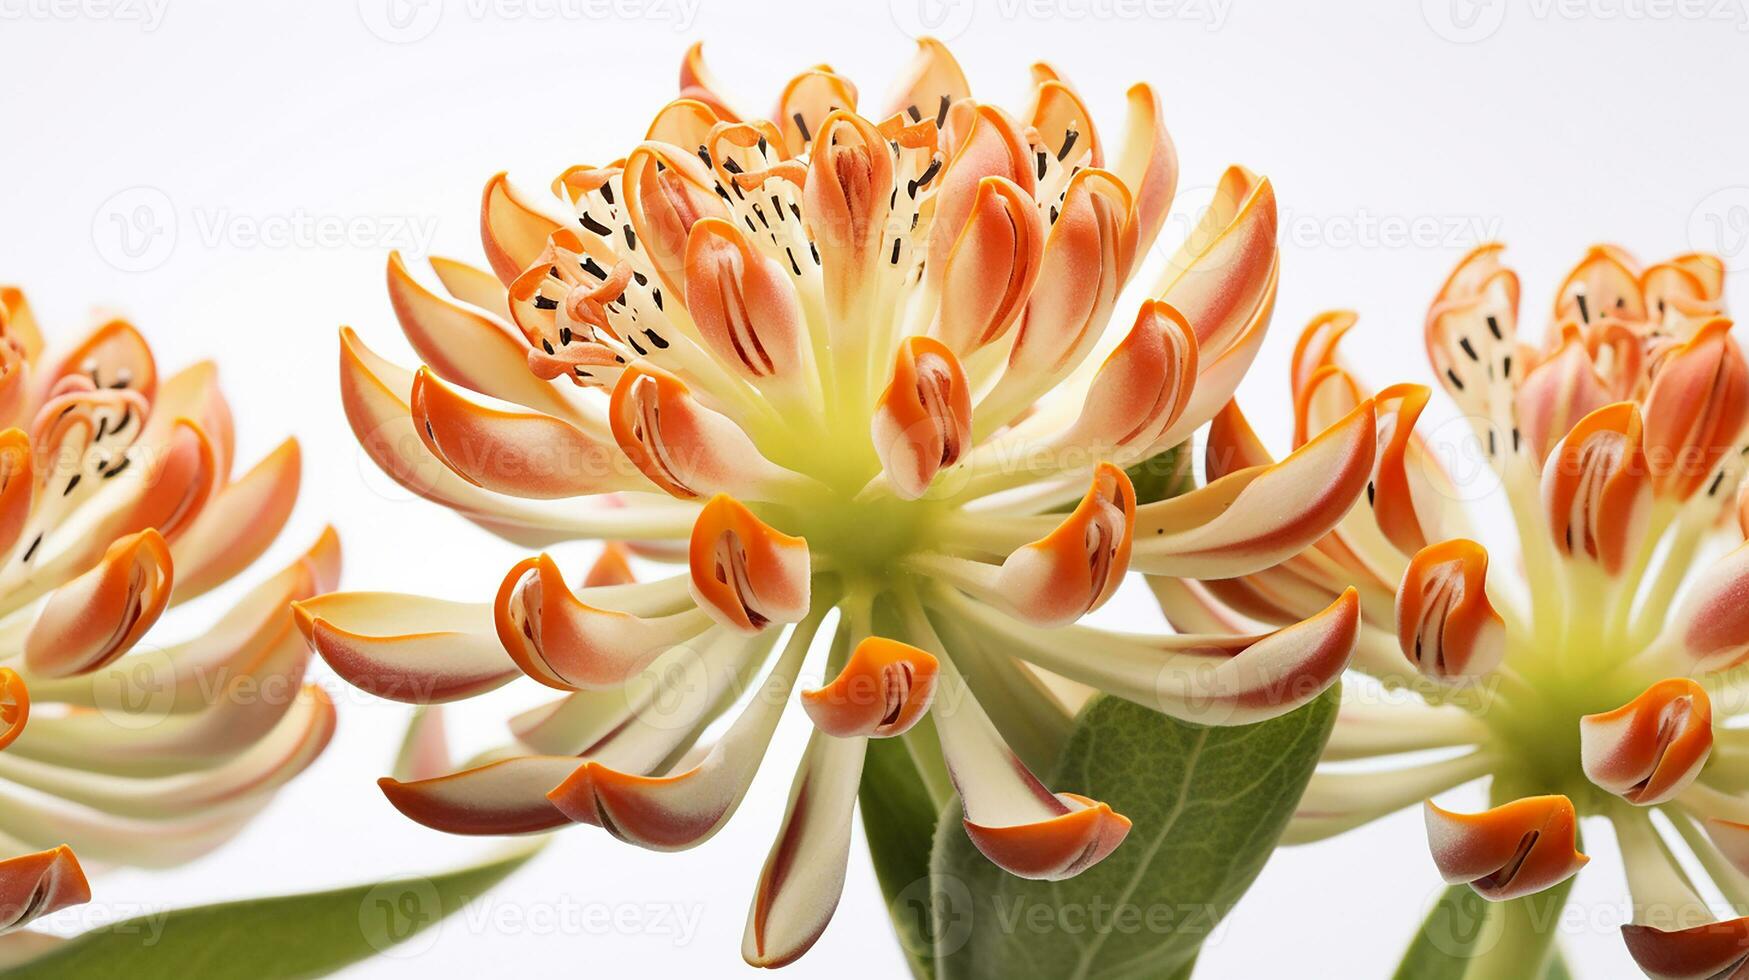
683,122
686,806
845,205
1402,500
991,266
242,637
406,648
803,877
929,85
990,146
18,325
667,190
644,724
1223,273
35,885
882,691
114,356
513,228
1145,384
697,82
472,285
1558,392
239,524
1260,516
1731,838
514,452
504,797
744,304
1064,127
1316,347
1712,623
1445,624
1603,284
260,769
806,103
1208,679
1086,256
89,622
1262,677
1714,951
1650,749
1508,852
375,395
1147,163
1696,410
424,750
1010,816
564,643
1073,570
1595,488
922,423
132,743
467,348
1233,445
193,393
682,446
745,573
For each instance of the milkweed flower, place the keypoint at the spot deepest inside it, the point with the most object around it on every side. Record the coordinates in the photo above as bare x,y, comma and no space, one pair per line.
1594,675
828,361
118,503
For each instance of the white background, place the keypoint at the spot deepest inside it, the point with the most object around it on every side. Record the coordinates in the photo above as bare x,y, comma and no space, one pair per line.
1397,136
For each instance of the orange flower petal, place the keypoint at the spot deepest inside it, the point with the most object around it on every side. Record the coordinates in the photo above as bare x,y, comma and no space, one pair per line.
744,304
1074,569
1650,749
745,573
1595,487
1696,410
1714,951
882,691
991,267
100,615
1513,850
567,644
922,423
34,885
1445,624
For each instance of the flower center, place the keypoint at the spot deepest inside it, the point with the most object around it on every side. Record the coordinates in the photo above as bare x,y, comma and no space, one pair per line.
864,540
1536,724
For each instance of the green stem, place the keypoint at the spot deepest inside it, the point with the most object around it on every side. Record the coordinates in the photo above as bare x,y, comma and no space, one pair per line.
1524,932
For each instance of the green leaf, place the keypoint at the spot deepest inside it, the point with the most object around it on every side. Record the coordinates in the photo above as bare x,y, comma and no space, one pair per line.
1208,805
268,938
898,818
1466,934
1162,475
